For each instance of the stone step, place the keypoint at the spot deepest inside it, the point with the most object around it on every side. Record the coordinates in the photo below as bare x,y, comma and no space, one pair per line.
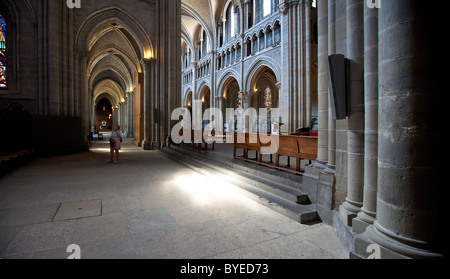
270,185
284,178
268,194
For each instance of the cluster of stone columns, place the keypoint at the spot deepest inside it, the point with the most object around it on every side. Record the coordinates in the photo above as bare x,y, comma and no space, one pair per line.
393,175
297,22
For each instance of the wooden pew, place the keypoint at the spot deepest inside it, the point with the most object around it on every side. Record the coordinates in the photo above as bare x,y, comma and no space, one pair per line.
298,147
250,144
288,146
239,144
308,148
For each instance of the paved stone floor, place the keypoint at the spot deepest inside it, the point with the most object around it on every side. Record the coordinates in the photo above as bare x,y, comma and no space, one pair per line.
147,206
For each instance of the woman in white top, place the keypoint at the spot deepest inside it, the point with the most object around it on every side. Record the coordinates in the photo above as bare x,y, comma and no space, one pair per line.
115,144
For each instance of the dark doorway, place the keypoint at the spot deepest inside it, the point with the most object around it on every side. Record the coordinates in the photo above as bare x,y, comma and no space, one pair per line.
104,115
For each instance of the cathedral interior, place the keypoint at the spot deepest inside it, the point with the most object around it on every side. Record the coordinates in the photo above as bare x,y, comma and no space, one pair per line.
251,129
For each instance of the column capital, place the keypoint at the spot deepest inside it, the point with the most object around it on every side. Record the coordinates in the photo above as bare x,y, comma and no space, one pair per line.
147,61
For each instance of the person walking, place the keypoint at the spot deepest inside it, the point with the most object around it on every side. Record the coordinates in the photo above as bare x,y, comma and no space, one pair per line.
114,141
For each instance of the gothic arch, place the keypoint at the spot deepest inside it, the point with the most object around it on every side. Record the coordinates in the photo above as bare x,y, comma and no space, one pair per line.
257,66
188,93
226,79
201,89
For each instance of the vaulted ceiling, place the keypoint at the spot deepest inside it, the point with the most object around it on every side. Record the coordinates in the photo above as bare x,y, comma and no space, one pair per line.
113,61
200,13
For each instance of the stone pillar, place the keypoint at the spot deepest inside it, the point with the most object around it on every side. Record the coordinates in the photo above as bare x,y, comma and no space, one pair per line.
91,110
410,213
148,106
299,66
84,98
115,116
131,127
368,213
308,64
245,105
331,166
355,52
122,117
322,157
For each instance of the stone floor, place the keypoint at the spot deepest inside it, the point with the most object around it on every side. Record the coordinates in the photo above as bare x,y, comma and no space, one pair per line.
147,206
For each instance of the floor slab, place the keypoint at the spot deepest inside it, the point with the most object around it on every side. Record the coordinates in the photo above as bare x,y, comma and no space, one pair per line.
78,210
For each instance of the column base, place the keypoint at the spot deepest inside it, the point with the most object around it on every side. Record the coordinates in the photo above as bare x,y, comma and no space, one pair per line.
147,145
364,250
320,164
348,212
362,221
395,247
330,169
156,145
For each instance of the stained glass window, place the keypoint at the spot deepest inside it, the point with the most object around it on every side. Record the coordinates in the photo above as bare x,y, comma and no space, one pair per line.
268,99
2,52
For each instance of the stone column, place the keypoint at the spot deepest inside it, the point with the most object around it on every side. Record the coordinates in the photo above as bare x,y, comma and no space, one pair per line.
148,107
91,110
115,116
308,64
131,127
322,157
245,105
410,213
355,52
299,62
123,121
331,166
84,98
368,213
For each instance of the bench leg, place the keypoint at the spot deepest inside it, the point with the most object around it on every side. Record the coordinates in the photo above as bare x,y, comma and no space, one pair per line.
277,160
297,162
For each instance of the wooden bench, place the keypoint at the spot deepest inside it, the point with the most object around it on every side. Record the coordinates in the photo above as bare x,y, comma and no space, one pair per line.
13,160
298,147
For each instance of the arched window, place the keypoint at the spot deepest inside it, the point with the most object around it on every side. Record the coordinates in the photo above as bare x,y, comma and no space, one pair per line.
233,21
3,80
267,7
